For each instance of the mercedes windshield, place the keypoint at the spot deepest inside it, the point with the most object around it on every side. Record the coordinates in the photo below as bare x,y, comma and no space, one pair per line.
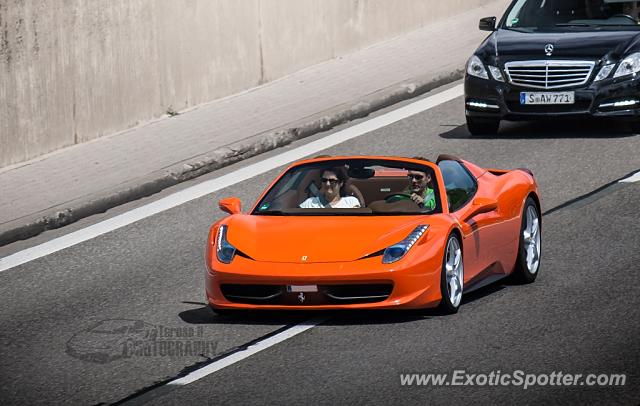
560,15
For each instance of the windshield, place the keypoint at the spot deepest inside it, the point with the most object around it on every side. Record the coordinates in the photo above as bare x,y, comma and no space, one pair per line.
353,187
559,15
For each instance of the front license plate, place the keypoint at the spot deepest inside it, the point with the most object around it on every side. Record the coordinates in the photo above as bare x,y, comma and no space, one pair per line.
547,98
302,288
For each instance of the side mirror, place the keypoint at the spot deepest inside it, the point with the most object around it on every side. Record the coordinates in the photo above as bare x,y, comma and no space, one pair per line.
230,205
488,24
481,205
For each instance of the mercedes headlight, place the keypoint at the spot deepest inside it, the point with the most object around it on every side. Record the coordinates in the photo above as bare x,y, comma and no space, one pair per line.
397,251
495,72
476,68
604,72
629,66
224,250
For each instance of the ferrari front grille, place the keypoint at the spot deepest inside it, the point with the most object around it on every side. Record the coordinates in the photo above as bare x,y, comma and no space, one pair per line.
250,293
325,294
359,293
549,74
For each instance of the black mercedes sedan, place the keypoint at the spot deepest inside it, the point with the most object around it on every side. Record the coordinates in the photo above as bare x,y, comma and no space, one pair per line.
556,58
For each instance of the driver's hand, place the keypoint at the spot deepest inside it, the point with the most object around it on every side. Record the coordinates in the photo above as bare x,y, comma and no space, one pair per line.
417,199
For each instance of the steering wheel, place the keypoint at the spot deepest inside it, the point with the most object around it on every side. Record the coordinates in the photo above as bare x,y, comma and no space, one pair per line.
624,16
396,197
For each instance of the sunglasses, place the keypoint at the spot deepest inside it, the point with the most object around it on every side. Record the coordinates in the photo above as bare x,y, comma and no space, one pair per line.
332,182
415,176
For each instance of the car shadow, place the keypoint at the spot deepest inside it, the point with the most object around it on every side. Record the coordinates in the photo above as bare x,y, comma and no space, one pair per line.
484,292
204,315
548,129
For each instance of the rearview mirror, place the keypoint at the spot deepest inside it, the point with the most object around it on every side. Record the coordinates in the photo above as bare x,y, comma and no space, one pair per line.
481,205
230,205
488,24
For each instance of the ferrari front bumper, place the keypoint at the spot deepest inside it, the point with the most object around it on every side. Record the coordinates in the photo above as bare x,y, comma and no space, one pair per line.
363,284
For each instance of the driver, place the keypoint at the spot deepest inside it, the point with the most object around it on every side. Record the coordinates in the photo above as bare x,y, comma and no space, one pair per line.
593,9
332,181
420,191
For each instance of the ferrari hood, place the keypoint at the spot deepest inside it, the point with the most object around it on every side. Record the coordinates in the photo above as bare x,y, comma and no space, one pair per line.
318,238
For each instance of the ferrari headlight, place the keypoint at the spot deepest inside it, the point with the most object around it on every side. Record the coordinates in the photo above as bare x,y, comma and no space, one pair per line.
629,66
397,251
224,250
476,68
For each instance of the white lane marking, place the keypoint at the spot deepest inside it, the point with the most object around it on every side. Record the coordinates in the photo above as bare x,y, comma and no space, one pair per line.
237,176
631,179
249,351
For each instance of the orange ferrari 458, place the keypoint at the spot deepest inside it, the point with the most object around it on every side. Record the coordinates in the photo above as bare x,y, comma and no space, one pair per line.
372,232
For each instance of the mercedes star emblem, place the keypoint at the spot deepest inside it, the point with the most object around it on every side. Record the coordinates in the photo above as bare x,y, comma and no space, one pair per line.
548,49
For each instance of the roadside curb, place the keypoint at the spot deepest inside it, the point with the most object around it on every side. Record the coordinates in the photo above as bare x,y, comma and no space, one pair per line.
227,155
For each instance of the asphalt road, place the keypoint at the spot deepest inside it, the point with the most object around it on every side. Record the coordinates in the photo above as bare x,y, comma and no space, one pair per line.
63,314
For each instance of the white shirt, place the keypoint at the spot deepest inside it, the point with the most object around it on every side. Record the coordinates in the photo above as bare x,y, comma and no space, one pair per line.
347,202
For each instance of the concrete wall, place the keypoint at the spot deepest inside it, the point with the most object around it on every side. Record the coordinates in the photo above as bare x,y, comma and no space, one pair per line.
74,70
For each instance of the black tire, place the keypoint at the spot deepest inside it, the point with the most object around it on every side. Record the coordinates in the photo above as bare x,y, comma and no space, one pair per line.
482,126
522,274
635,127
446,306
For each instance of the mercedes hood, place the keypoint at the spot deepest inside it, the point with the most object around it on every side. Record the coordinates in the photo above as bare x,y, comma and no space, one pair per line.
512,45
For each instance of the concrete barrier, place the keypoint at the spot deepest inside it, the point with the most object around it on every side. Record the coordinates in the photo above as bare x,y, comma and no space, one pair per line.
73,71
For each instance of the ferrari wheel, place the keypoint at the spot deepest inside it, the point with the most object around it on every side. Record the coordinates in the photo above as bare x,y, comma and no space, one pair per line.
529,250
452,277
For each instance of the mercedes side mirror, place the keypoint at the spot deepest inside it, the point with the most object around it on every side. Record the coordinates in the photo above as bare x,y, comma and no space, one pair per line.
488,24
230,205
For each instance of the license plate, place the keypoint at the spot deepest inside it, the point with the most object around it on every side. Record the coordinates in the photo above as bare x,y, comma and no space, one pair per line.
547,98
302,288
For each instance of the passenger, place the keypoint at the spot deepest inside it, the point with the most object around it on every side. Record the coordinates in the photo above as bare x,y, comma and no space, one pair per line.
632,9
420,191
330,193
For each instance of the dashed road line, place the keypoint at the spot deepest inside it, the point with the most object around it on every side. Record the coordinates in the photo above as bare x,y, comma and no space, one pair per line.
594,195
631,179
221,362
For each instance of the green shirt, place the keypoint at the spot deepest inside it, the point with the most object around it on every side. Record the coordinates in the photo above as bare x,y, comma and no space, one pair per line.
429,199
428,196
